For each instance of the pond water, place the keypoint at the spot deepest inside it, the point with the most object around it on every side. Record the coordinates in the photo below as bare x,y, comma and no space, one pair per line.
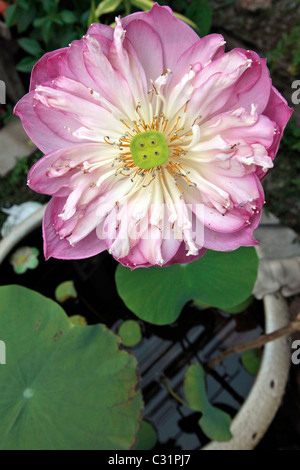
165,351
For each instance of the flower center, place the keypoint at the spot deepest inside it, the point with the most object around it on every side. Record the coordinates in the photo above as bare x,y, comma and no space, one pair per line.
149,149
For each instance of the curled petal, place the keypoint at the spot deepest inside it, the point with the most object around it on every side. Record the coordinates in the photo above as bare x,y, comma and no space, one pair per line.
51,65
54,247
278,111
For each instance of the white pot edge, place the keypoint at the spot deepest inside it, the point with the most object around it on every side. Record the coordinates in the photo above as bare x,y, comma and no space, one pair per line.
20,231
256,414
260,407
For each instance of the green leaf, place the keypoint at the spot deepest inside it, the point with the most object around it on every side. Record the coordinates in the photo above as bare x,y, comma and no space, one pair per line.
68,17
26,64
41,22
64,291
31,46
83,17
130,332
67,38
49,5
46,30
195,389
150,293
106,6
11,15
92,18
63,386
218,279
25,19
56,19
78,320
147,437
240,307
143,4
200,304
251,360
201,12
24,4
127,6
215,423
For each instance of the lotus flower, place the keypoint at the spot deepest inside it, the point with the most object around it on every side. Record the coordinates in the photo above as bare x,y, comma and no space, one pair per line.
150,132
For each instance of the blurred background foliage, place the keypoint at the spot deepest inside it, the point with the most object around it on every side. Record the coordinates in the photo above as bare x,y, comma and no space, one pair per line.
45,25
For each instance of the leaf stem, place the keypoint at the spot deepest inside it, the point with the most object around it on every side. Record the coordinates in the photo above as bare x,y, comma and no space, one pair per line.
256,343
127,7
172,393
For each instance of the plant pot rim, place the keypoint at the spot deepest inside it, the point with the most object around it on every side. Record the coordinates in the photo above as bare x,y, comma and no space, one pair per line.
256,414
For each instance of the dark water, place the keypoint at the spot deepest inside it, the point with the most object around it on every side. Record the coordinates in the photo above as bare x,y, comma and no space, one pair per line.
165,351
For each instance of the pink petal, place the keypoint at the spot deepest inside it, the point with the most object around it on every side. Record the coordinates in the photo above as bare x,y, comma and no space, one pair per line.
107,80
123,58
42,180
219,241
214,85
182,258
134,259
63,112
60,248
142,36
99,29
49,66
175,35
44,129
261,132
76,63
253,87
202,51
278,111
